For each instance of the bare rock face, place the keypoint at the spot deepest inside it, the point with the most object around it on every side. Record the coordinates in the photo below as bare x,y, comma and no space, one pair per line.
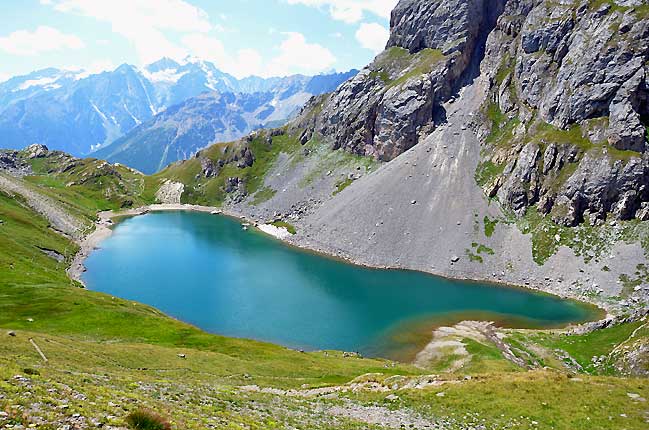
514,192
598,187
386,108
577,62
36,151
417,24
571,80
12,163
209,168
170,192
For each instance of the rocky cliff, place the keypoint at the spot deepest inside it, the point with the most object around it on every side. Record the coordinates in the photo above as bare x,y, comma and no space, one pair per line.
566,120
565,124
389,106
475,146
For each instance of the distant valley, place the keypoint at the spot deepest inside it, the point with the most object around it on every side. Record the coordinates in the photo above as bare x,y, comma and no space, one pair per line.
80,113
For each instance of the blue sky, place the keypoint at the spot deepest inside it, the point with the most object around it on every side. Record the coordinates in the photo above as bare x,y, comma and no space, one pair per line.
242,37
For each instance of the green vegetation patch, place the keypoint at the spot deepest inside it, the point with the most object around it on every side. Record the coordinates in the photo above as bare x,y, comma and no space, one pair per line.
396,65
526,400
505,69
482,249
641,11
489,226
263,195
502,127
586,241
88,186
476,254
630,282
473,257
144,419
487,171
327,161
23,239
341,185
283,224
582,348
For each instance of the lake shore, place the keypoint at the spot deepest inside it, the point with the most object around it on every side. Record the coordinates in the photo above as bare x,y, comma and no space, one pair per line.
100,279
103,230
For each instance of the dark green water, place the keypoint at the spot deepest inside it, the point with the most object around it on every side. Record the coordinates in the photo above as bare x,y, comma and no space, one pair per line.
205,270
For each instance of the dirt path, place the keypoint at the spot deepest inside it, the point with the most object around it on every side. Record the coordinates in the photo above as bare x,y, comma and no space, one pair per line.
375,415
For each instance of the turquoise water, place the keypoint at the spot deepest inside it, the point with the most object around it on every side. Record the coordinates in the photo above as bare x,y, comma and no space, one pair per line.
207,271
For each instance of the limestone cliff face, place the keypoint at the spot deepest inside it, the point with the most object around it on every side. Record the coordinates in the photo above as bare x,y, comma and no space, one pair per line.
564,125
396,100
568,109
566,122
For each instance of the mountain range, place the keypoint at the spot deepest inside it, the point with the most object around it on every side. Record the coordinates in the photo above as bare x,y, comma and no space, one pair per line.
78,112
503,141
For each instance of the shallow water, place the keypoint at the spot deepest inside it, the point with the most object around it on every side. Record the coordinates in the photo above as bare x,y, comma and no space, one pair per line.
207,271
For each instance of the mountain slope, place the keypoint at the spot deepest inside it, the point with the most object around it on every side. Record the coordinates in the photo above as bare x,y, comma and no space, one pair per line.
180,131
78,113
107,359
431,159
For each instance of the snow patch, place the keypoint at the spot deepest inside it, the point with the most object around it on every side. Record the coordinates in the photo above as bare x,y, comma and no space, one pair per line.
101,114
169,76
278,232
46,83
137,121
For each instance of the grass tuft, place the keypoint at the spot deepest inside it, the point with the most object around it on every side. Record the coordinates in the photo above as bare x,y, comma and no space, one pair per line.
144,419
289,227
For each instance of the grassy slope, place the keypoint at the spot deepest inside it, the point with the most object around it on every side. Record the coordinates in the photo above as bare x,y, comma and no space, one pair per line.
91,185
210,191
99,346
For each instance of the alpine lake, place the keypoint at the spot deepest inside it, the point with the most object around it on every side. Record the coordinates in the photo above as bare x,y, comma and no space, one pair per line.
208,271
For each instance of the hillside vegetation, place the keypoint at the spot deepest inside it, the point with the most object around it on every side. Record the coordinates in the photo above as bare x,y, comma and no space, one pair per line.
108,358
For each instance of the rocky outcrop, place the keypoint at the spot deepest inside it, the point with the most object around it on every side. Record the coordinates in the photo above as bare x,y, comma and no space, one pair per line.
568,107
577,62
170,192
36,151
241,155
397,99
11,162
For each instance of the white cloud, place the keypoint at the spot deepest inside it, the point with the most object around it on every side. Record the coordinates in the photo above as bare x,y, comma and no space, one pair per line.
43,39
242,63
93,68
372,36
4,77
351,11
143,22
146,24
295,55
